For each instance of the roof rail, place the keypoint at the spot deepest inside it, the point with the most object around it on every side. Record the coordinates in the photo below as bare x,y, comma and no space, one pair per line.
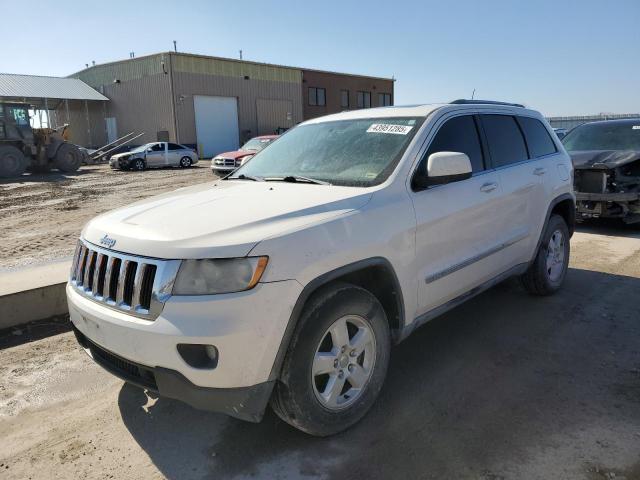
462,101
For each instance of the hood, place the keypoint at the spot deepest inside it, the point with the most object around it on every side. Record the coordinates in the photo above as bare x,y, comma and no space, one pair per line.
120,155
225,219
603,158
236,154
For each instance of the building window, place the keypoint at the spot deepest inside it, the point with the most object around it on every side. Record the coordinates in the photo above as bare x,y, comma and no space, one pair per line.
364,99
344,98
384,99
317,96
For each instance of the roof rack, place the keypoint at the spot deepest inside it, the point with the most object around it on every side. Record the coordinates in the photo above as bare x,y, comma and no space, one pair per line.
462,101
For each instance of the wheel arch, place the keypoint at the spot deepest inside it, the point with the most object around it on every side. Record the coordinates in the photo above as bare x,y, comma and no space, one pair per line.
563,205
376,275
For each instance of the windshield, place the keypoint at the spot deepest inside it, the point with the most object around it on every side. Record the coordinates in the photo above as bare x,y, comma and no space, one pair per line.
256,144
141,148
604,136
360,152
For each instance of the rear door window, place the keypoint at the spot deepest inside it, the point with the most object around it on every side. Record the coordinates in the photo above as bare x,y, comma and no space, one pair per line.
506,143
538,139
173,146
459,134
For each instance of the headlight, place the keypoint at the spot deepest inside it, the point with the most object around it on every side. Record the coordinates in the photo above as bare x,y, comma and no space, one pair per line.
224,275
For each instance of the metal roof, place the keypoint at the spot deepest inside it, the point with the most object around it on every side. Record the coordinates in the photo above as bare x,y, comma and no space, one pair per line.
32,86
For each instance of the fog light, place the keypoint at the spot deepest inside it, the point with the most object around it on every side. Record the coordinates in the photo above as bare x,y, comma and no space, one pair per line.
199,356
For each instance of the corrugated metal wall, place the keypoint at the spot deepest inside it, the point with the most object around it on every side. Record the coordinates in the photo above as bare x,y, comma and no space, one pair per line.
248,82
248,92
89,135
140,101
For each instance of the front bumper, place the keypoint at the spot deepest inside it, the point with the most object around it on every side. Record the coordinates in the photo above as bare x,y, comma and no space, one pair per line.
221,169
245,403
625,205
246,328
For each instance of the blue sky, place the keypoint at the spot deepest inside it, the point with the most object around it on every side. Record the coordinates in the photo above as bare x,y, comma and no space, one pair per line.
566,57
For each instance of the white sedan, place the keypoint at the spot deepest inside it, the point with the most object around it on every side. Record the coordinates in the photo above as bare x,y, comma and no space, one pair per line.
155,155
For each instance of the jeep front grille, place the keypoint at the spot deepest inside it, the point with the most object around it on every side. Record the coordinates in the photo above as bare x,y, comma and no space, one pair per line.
133,284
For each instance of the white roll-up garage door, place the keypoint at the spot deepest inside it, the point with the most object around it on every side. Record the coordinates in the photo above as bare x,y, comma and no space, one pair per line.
216,124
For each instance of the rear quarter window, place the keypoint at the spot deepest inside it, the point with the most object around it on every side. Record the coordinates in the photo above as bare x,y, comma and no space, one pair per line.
506,143
539,141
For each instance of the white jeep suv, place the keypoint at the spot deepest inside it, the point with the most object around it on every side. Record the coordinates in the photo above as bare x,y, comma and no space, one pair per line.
336,242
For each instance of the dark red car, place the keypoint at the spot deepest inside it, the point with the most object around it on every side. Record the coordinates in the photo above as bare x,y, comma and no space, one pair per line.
229,161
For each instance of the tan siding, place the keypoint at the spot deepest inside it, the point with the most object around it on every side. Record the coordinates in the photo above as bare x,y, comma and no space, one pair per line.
124,71
142,105
186,85
95,135
231,68
273,114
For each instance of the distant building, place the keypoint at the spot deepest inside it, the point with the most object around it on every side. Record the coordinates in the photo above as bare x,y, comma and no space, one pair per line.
215,104
570,122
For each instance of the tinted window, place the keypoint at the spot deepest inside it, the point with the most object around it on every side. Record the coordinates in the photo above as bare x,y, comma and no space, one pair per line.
173,146
538,139
506,143
317,96
344,98
458,135
364,99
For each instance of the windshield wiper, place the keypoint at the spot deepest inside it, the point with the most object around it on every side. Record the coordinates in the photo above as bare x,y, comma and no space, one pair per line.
296,179
242,176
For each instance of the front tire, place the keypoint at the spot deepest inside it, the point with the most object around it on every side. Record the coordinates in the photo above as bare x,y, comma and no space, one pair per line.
548,270
12,162
138,165
336,363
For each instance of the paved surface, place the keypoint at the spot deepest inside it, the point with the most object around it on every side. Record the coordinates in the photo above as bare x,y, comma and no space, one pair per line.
41,215
504,387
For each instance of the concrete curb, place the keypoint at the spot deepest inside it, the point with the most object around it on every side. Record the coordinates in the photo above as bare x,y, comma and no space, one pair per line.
33,293
39,303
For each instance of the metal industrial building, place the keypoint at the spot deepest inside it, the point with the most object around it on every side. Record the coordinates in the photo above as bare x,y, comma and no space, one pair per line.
212,103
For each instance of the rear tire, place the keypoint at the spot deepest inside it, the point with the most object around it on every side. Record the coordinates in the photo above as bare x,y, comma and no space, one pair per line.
12,162
185,162
336,362
68,158
548,270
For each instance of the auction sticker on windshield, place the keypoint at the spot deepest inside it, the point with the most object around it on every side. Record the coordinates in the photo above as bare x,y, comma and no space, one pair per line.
389,128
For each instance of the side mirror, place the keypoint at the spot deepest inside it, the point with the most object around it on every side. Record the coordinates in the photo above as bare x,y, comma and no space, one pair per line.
444,167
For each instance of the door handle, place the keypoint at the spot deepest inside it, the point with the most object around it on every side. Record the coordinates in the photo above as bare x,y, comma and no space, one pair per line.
540,171
488,187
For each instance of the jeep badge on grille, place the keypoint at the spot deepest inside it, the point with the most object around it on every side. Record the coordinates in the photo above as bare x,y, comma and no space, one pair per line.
107,241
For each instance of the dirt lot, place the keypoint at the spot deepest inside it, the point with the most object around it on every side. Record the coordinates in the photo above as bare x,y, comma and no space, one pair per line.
506,386
41,215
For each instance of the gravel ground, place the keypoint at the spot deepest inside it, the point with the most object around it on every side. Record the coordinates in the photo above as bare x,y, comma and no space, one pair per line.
41,215
506,386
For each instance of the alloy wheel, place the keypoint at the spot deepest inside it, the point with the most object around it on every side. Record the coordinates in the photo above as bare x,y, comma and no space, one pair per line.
343,362
555,256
